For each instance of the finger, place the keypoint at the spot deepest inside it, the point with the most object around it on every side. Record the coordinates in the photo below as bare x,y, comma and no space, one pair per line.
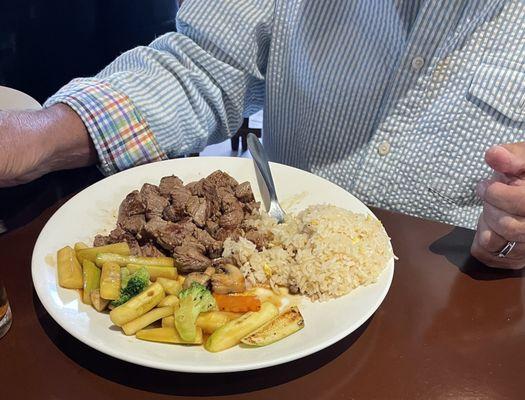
487,239
507,159
505,197
510,227
487,245
492,243
501,178
494,261
507,179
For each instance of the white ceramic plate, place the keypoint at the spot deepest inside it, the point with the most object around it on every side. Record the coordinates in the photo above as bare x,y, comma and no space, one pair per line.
12,99
94,210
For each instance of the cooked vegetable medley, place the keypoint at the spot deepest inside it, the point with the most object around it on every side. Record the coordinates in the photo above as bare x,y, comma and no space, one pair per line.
147,298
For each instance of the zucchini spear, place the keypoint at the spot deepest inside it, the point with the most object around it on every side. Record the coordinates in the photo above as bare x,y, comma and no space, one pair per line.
209,321
98,302
121,260
80,246
138,305
167,335
91,275
90,253
278,328
169,300
110,281
69,269
171,286
231,334
155,271
132,327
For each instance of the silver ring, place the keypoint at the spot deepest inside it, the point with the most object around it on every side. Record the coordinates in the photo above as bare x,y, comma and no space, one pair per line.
506,250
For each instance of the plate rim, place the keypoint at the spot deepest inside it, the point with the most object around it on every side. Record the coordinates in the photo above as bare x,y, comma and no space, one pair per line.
203,369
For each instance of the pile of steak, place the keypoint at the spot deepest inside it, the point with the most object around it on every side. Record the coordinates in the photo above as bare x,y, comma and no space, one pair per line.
189,222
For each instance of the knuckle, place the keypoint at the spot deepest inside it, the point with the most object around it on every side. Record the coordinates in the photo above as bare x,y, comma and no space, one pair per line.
510,228
484,239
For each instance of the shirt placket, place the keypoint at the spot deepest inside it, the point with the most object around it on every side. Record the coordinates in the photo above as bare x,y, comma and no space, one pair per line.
435,27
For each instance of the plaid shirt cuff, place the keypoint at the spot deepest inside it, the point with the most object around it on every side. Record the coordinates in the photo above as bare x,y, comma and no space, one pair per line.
120,133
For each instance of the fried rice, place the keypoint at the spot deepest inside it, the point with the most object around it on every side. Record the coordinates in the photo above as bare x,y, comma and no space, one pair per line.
322,252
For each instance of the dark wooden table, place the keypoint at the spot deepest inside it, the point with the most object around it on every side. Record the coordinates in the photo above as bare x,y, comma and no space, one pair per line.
449,328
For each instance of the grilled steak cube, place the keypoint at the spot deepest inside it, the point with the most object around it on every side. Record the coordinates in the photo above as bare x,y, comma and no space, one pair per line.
196,208
131,216
244,192
190,257
168,184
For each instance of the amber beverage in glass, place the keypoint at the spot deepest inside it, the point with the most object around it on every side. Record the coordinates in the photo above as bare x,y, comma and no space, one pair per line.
5,311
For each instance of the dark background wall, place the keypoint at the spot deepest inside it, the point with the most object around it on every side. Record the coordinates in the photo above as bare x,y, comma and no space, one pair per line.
46,43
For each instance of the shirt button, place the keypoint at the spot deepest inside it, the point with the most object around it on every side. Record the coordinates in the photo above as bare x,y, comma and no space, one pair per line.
417,63
384,148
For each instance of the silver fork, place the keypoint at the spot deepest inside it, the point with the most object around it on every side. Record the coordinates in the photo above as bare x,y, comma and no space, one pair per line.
261,160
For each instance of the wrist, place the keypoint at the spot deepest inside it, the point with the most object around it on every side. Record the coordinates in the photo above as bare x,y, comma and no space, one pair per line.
34,143
64,139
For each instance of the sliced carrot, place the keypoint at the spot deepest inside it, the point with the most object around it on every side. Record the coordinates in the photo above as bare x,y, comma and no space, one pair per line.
237,303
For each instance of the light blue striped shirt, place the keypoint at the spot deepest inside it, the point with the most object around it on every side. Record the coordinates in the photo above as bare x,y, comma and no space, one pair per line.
394,100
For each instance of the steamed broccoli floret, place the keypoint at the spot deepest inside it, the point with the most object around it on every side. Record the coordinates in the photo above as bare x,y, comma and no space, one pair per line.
192,302
136,283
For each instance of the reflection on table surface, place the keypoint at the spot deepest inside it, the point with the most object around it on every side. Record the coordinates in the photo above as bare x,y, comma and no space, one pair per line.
21,204
449,327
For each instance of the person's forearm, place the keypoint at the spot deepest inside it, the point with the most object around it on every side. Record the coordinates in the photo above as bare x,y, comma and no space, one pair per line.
69,143
34,143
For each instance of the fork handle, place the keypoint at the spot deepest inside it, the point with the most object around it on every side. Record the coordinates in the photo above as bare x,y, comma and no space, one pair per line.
261,160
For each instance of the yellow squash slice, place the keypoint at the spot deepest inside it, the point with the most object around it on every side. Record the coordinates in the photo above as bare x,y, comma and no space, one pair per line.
278,328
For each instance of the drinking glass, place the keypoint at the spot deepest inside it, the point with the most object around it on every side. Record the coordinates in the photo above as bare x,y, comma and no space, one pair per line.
5,311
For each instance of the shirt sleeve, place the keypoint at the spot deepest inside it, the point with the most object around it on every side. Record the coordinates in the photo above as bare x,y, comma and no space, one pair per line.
186,90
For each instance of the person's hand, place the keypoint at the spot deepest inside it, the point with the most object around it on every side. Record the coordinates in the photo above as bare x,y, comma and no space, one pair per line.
33,143
503,216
